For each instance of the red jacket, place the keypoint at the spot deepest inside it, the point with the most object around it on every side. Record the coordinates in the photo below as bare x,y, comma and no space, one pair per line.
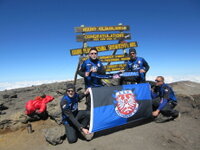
38,104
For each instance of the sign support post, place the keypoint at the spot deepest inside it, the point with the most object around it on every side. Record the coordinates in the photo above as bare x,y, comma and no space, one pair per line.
80,59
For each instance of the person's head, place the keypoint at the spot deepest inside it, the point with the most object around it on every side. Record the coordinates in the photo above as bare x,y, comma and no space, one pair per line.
70,90
132,52
93,53
159,80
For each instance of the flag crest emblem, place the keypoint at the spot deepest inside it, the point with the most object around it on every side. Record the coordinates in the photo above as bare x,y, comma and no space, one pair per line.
126,104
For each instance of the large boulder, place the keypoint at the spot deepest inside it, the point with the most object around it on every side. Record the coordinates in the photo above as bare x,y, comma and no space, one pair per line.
54,110
54,135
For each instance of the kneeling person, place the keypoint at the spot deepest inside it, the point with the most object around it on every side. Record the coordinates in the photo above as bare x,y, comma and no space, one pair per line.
73,119
164,101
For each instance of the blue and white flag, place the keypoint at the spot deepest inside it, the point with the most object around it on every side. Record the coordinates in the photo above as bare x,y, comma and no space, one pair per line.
118,105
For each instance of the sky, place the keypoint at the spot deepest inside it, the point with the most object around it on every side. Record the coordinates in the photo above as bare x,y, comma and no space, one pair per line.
36,37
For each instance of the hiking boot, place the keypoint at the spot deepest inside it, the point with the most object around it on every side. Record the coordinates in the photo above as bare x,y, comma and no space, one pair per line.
176,116
162,119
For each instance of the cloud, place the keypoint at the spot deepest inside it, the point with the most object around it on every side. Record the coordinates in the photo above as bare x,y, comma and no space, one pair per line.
14,85
169,79
20,84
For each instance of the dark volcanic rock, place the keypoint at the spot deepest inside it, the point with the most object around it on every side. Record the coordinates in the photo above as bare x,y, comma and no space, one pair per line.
2,107
54,110
55,135
5,123
5,96
188,95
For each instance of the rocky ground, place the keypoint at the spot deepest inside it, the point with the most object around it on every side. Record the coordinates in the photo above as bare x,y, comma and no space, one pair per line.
183,133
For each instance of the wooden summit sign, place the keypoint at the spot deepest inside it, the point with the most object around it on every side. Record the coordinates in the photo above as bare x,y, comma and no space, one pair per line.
115,67
102,28
103,37
81,51
110,58
84,37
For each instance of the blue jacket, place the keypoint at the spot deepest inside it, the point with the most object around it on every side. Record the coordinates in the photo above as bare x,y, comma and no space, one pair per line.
165,93
137,64
94,79
134,65
69,107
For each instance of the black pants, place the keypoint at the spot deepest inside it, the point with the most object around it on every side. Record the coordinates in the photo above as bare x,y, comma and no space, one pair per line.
71,131
168,110
126,80
36,116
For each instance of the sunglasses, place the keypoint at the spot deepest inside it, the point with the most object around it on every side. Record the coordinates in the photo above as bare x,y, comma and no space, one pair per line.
158,81
70,91
132,53
93,53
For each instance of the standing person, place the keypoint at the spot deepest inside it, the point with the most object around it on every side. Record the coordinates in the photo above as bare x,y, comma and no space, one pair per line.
164,101
73,119
138,65
93,71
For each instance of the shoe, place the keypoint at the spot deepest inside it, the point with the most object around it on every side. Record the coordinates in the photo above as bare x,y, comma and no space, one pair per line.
88,137
162,119
176,116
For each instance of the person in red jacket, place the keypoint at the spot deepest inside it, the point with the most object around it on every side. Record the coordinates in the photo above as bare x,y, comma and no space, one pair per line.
36,109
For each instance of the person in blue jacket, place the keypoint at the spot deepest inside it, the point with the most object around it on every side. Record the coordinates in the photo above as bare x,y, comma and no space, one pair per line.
138,65
164,100
73,119
93,71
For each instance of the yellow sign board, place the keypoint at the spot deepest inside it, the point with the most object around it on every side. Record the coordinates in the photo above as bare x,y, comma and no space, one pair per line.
110,58
102,28
115,67
103,37
81,51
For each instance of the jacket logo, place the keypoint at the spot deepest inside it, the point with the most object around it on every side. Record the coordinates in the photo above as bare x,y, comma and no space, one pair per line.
136,66
126,105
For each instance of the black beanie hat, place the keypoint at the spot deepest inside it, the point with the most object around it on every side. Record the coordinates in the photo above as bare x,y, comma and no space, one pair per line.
132,50
70,86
